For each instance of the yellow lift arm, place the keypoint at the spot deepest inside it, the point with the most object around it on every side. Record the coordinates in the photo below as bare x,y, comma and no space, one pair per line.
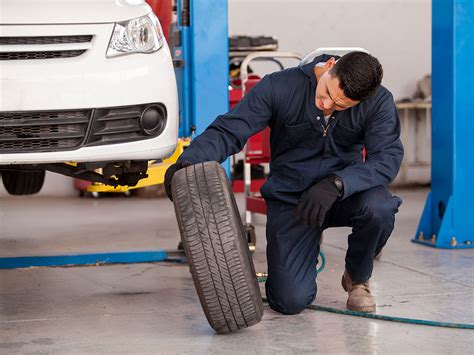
155,172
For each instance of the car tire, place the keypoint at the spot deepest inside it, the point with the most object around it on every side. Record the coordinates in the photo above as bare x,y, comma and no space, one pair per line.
23,182
216,247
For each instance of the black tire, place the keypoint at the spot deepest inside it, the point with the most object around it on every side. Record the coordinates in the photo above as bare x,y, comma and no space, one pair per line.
215,244
23,182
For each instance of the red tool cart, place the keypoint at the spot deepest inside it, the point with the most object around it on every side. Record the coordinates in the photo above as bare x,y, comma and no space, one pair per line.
257,149
239,48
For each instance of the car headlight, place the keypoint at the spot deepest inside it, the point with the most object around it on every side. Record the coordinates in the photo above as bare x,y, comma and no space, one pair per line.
139,35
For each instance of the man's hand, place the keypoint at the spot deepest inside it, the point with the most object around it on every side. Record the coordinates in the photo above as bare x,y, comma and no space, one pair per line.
315,202
170,173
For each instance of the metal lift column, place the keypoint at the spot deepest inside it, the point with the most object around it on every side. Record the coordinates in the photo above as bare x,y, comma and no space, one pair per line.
203,51
202,57
448,218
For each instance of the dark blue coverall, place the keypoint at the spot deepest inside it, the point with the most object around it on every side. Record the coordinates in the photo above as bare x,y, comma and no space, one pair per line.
300,157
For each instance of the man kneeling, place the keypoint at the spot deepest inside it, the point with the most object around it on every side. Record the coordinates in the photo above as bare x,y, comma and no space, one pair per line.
321,115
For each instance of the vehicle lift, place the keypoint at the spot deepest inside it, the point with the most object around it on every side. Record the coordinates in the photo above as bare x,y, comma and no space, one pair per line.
201,54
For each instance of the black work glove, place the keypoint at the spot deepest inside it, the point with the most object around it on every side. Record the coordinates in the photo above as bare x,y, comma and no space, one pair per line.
314,204
170,173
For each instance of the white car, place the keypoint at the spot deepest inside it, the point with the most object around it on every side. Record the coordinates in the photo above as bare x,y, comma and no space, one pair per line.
84,81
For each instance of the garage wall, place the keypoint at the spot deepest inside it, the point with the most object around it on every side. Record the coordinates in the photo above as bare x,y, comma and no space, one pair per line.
398,32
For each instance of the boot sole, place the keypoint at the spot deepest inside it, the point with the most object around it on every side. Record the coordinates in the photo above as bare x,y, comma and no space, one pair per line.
363,309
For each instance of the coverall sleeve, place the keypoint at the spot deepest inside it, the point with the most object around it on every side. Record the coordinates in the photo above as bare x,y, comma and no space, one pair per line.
228,133
384,150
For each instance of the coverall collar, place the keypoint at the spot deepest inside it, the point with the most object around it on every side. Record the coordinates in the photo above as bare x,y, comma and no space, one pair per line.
308,69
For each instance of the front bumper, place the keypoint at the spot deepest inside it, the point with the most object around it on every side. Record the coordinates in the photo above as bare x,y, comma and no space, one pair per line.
89,81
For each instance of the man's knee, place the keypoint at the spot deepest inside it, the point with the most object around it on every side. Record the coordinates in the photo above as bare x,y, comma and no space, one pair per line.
289,300
379,206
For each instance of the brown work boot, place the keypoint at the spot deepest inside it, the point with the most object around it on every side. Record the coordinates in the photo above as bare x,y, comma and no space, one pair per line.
360,299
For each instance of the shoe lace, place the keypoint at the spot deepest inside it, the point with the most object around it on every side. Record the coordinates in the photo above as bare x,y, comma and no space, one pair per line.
364,286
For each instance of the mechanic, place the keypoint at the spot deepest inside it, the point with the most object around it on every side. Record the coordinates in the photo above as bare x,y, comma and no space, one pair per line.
321,116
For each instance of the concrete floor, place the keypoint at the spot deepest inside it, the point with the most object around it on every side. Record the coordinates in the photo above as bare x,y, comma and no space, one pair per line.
153,308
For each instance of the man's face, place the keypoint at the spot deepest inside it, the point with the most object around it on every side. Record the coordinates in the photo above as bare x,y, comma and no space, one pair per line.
329,96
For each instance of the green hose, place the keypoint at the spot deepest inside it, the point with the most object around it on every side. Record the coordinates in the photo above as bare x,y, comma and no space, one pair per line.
263,277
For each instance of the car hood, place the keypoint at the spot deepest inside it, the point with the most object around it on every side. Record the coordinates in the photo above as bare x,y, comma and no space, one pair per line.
14,12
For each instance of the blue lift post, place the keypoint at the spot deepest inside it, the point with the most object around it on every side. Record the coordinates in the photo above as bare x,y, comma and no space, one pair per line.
203,77
448,217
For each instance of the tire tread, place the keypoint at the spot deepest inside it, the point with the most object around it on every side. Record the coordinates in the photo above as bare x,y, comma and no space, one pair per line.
216,247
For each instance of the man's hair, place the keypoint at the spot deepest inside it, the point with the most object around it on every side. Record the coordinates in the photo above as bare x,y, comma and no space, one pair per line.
359,74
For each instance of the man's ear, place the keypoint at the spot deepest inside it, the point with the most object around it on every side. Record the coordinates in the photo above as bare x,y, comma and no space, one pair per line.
330,63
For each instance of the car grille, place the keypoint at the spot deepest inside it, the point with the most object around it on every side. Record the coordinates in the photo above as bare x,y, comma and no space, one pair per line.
46,131
51,51
44,40
39,55
42,131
